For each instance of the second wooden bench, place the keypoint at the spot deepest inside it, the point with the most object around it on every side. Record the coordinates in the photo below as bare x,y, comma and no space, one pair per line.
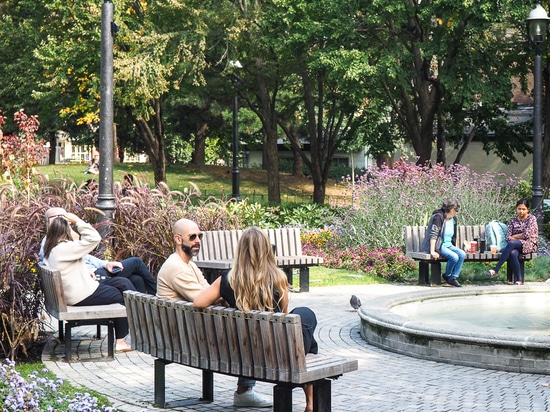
218,251
414,236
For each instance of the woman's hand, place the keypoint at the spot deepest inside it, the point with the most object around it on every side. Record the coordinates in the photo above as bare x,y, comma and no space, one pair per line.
435,255
71,217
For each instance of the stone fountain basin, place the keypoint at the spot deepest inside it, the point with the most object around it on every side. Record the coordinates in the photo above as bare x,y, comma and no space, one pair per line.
414,324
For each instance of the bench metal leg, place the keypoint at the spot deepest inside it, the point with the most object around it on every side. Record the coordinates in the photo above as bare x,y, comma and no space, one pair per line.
207,386
436,273
423,273
160,382
322,396
68,341
282,398
110,338
304,279
60,327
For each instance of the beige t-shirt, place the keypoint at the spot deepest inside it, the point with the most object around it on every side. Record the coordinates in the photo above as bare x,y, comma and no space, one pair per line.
179,280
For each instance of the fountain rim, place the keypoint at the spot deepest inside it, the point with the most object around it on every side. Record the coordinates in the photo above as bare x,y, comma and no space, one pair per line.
378,312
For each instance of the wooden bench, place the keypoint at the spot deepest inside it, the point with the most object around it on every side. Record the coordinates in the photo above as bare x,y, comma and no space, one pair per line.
414,236
264,346
72,316
218,251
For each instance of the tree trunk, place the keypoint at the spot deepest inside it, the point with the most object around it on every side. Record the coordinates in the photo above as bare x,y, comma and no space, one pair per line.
441,156
53,148
153,138
198,157
269,121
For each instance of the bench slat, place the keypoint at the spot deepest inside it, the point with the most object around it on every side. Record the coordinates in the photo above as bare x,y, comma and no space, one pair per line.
185,345
271,364
222,340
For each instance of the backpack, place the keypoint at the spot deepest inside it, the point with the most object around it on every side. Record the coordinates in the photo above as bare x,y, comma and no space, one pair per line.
495,234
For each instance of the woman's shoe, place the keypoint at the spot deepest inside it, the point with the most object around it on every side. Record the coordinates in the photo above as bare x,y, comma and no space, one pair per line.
518,283
491,273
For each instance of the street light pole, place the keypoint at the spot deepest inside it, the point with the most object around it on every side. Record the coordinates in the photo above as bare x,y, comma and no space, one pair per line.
236,174
235,145
106,199
537,26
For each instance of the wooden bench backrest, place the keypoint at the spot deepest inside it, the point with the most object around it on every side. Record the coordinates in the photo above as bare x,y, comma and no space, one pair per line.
54,298
414,236
222,244
219,244
261,345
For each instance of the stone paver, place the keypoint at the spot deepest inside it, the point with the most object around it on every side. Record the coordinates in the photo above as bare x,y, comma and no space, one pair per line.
385,381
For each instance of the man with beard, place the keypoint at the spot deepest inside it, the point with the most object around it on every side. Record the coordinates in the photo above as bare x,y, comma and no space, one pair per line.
179,277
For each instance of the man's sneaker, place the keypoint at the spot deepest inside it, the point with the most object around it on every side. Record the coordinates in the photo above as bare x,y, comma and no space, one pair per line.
250,399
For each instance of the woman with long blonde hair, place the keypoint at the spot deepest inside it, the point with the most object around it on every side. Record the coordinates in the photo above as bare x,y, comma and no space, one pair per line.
256,283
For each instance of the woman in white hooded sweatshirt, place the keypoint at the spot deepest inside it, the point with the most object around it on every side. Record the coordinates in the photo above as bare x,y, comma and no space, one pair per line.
80,287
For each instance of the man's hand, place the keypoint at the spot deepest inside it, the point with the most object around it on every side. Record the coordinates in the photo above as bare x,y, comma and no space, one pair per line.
93,276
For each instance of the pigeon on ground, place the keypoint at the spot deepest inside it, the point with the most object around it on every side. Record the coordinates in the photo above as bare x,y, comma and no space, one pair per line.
355,302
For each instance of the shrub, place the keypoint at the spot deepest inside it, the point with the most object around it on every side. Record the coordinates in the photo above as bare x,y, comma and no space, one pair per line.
388,264
387,199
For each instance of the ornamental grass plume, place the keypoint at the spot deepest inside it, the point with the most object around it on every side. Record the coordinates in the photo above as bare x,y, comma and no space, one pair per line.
387,199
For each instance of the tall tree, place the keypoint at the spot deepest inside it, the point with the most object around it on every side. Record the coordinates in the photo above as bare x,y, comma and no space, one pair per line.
445,66
158,48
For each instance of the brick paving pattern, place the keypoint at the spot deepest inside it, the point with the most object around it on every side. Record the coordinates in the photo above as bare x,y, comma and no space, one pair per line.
385,381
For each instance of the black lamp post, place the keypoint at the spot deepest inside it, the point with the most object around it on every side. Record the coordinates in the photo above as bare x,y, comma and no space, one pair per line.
235,146
537,27
106,199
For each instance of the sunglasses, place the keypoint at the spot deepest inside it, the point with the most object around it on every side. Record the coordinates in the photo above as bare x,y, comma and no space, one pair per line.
192,236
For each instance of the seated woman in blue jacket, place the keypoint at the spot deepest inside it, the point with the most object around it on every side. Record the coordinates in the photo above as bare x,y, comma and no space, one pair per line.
440,240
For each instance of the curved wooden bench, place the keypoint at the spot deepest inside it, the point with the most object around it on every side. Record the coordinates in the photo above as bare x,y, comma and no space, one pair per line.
265,346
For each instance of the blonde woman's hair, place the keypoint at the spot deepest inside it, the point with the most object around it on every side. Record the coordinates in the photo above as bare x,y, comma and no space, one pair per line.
255,275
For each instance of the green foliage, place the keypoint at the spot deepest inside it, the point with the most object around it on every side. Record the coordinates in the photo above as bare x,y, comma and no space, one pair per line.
308,216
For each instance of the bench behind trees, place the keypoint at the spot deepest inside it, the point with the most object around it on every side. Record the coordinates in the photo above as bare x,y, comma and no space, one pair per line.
264,346
414,236
72,316
218,251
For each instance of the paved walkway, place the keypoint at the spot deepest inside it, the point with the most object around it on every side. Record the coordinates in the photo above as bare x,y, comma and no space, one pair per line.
385,381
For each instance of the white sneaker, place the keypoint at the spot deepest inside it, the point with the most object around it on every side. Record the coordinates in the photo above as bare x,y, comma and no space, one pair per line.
250,399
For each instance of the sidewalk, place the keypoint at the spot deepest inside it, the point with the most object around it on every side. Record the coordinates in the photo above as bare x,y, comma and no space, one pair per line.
385,381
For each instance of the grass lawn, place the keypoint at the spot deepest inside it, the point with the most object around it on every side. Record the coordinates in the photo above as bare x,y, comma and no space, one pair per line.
210,180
